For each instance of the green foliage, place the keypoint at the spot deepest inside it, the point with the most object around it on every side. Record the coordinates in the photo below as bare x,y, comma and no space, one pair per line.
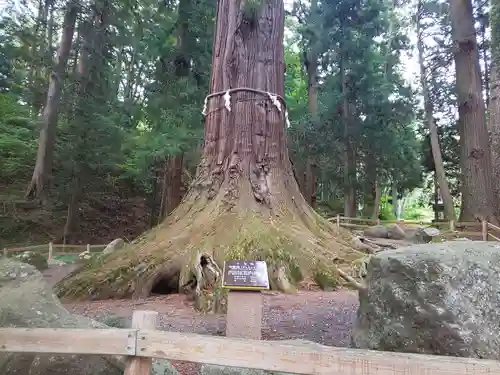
139,98
17,140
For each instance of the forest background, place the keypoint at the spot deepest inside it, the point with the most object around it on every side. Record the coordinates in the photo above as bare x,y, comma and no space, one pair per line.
101,103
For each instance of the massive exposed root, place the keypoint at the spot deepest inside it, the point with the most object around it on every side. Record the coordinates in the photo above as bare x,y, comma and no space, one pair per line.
185,254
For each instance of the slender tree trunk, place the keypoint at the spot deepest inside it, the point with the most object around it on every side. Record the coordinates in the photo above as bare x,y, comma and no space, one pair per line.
436,197
449,207
376,204
395,201
155,208
349,153
494,105
38,186
70,228
477,186
172,185
312,91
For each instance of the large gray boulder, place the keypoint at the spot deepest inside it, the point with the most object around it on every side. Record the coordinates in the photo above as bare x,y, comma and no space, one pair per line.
441,298
421,235
27,302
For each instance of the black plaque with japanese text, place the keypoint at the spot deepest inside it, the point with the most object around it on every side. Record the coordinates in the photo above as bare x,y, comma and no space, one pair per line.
245,275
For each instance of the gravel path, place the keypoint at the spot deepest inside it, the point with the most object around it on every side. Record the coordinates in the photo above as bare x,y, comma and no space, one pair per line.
322,317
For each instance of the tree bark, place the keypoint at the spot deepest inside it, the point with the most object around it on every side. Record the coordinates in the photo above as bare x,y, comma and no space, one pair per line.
494,105
395,208
312,97
477,189
70,228
172,185
376,204
449,207
38,186
350,207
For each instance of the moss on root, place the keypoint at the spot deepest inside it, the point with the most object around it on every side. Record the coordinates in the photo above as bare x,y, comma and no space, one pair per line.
294,250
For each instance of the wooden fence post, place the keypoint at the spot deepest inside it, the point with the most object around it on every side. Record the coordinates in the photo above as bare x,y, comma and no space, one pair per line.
50,250
484,230
141,365
5,252
338,221
452,225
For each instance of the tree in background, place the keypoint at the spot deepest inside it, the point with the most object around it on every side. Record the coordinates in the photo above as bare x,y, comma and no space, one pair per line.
494,104
449,207
477,189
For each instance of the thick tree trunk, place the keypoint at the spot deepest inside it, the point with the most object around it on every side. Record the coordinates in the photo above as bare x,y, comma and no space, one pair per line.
245,155
477,186
244,202
449,207
38,186
494,105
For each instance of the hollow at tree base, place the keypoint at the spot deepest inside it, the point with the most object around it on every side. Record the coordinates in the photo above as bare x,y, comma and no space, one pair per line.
188,254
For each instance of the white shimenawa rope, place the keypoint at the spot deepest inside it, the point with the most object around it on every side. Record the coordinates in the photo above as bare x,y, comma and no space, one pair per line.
275,99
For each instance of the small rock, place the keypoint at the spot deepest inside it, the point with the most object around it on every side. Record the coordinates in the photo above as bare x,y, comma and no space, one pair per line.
35,259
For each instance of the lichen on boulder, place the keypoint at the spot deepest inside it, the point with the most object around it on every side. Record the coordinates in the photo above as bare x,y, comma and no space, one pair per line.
440,298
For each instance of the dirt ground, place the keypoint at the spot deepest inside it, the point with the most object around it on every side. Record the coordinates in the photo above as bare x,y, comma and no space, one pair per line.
323,317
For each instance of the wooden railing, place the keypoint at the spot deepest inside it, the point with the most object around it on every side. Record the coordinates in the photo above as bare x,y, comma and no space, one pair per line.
473,229
491,228
51,249
142,343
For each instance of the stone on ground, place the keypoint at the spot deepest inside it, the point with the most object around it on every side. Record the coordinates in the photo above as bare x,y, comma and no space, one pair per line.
35,259
376,231
421,235
394,231
27,302
441,298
